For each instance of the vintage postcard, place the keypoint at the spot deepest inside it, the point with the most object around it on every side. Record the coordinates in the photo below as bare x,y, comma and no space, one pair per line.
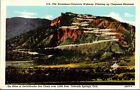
62,44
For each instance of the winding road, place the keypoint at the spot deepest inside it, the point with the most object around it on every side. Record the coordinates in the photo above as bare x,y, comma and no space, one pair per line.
101,41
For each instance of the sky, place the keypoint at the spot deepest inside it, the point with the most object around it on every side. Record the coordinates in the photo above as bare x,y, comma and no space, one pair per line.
124,14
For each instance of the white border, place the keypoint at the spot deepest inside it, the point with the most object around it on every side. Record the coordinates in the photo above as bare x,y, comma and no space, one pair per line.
5,3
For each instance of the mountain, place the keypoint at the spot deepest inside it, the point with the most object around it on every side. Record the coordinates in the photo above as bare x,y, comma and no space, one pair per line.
105,26
76,37
73,49
17,25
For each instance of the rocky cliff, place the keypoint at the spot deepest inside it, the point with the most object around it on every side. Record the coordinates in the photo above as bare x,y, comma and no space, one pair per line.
73,26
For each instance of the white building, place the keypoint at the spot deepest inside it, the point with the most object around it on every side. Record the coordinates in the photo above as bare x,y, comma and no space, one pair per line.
115,66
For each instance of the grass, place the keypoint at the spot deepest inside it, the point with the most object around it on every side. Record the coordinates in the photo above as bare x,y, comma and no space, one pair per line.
83,70
73,65
20,64
84,52
59,66
86,64
29,64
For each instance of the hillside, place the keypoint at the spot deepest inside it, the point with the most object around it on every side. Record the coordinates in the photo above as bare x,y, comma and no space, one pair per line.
17,25
71,30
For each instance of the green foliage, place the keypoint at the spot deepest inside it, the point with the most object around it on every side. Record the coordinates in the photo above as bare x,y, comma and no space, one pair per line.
71,72
67,19
106,55
127,36
122,63
87,38
115,48
31,39
67,41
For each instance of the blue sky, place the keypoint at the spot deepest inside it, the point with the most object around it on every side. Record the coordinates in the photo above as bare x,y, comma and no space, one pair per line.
124,14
